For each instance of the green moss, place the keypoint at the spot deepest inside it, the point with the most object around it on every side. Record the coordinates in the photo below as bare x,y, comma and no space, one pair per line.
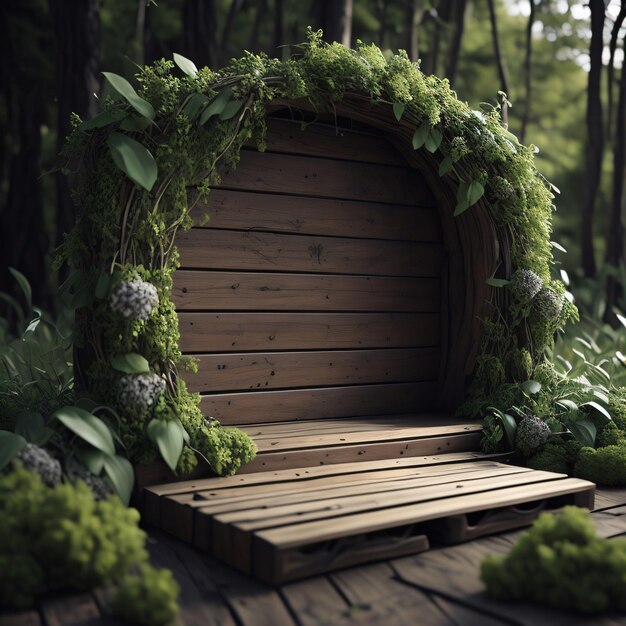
561,562
604,466
610,435
558,456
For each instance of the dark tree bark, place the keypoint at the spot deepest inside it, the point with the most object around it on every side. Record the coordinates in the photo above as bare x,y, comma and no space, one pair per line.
381,15
200,34
595,137
334,17
77,34
235,8
139,36
259,15
279,27
503,74
151,46
457,37
444,8
615,237
619,20
413,19
528,83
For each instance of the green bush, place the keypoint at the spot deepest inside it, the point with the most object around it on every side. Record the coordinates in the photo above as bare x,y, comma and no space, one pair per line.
558,456
561,562
604,466
61,538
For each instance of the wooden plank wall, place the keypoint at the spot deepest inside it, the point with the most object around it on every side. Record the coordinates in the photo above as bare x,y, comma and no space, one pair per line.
314,289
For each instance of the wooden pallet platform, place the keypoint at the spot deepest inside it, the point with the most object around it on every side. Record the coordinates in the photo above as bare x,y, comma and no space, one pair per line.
289,524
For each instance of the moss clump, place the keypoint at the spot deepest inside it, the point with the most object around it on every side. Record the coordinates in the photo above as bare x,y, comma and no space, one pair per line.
604,466
561,562
558,456
610,435
61,538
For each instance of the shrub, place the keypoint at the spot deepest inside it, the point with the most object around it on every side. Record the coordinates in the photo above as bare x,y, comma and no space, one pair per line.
604,466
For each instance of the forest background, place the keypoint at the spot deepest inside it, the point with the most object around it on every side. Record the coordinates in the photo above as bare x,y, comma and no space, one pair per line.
558,61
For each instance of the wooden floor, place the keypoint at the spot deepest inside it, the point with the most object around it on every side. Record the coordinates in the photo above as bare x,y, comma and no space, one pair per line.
436,588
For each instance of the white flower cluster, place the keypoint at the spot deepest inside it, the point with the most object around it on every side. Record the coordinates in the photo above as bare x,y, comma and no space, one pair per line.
526,285
40,461
140,390
548,304
135,299
531,434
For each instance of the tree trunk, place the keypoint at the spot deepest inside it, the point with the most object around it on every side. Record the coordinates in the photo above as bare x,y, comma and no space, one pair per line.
595,139
455,45
235,7
77,33
442,24
414,15
619,20
381,15
528,71
260,13
615,237
503,73
279,27
335,19
200,34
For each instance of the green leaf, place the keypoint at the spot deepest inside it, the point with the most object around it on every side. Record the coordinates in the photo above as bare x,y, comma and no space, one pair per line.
127,91
531,387
231,109
497,282
433,140
122,476
217,105
22,281
102,286
92,459
599,408
445,166
194,105
134,123
462,201
558,246
131,363
398,110
168,435
420,135
187,66
103,119
570,405
133,159
86,426
10,446
584,431
475,192
31,426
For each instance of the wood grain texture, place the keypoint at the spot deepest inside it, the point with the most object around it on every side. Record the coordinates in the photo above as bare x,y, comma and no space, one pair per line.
327,178
269,252
218,291
303,404
235,332
283,213
275,370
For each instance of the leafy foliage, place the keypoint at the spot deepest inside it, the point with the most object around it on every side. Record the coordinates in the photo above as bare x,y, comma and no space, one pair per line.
561,562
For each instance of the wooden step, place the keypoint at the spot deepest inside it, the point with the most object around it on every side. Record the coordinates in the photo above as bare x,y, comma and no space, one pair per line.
291,523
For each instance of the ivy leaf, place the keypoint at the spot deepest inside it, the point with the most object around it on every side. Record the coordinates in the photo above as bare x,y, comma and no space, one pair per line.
103,119
231,109
462,202
445,166
10,446
194,105
475,192
420,135
497,282
168,435
121,86
122,476
599,408
217,105
558,246
433,140
187,66
92,459
31,426
398,110
531,387
87,426
510,427
133,159
584,431
102,286
131,363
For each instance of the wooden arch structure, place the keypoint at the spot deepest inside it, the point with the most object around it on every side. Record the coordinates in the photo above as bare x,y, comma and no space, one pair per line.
334,305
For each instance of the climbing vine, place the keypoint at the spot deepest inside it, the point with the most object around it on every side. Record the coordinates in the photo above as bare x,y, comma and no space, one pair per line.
153,154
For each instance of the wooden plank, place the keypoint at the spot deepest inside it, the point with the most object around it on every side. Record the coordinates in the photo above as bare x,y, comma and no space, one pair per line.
368,451
258,291
243,210
70,610
501,494
20,618
234,332
326,140
327,178
276,370
319,403
270,252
